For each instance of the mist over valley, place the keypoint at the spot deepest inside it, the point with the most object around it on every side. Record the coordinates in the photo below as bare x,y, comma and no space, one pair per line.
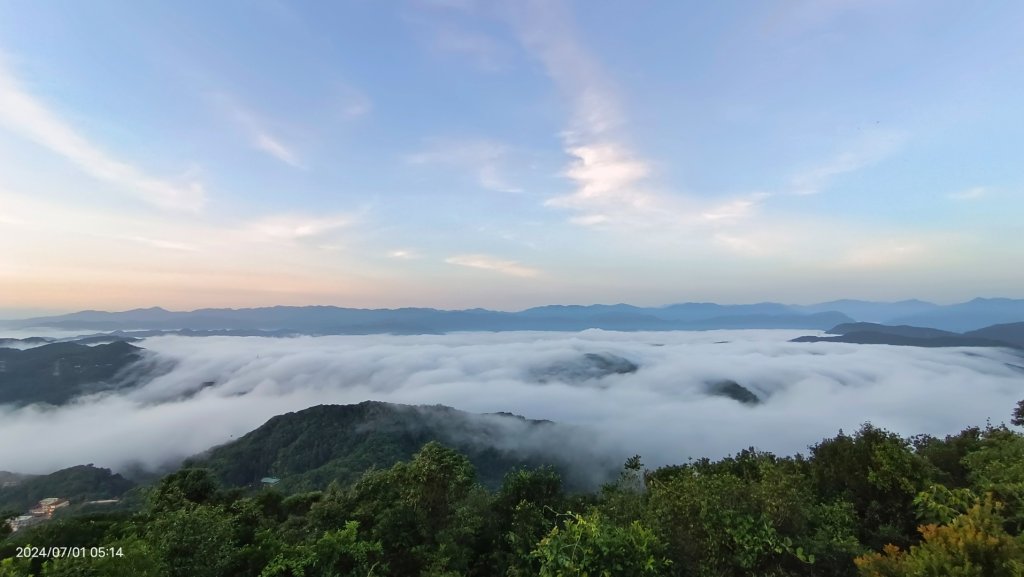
668,396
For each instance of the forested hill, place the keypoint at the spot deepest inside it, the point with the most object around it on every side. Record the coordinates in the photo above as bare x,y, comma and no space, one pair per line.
868,504
310,448
77,484
57,372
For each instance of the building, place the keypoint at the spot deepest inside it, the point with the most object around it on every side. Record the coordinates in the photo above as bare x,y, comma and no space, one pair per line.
270,481
47,506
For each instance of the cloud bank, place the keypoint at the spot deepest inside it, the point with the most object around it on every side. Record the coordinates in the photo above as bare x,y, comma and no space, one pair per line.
662,411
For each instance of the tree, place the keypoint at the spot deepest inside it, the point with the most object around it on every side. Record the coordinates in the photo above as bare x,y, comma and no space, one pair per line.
972,545
880,475
521,513
424,512
997,467
13,567
335,554
1018,414
5,527
752,514
591,546
187,486
194,542
132,557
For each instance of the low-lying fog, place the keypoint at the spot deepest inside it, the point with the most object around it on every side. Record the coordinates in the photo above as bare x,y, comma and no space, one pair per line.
662,411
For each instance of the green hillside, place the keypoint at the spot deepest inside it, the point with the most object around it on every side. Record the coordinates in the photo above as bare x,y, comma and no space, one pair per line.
310,448
77,484
867,504
57,372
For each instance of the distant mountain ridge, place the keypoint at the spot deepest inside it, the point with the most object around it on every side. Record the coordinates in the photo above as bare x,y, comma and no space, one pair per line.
971,315
1010,335
338,320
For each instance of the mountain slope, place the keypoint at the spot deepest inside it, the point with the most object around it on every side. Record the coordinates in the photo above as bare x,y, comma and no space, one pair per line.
877,338
310,448
77,484
900,330
1012,333
1008,335
57,372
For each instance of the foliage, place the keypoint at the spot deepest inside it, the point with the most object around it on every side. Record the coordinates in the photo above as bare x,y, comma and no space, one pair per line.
592,546
311,448
751,514
871,502
973,544
77,484
336,554
57,372
880,475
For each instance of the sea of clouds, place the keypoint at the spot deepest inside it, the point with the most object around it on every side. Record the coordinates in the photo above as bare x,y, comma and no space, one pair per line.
662,411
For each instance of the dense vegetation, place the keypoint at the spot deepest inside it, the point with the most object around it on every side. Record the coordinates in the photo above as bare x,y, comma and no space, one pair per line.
309,449
77,484
870,503
57,372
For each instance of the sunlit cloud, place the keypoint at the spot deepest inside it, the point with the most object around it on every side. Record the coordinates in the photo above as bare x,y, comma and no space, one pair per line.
485,262
403,254
29,117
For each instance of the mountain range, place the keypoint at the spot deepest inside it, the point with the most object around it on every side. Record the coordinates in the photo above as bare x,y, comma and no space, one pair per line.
971,315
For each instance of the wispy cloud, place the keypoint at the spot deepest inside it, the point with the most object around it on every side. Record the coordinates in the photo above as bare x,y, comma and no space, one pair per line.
883,254
446,30
165,244
354,103
24,114
866,151
613,186
485,159
260,136
273,147
973,193
546,29
297,227
485,262
736,209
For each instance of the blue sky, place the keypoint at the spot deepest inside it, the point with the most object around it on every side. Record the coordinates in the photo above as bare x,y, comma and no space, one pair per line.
461,153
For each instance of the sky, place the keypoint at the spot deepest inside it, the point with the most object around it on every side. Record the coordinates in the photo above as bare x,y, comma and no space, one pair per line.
470,153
